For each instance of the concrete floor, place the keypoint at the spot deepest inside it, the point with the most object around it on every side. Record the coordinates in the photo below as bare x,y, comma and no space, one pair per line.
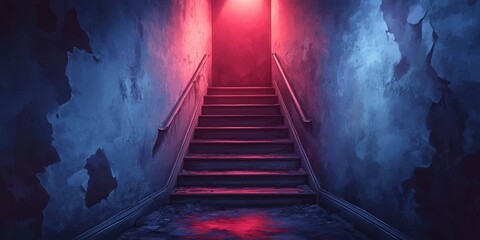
200,222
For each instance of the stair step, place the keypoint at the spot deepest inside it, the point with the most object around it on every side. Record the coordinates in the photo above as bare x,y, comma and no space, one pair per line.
241,146
242,99
243,178
240,120
241,109
243,196
241,153
225,162
241,132
240,90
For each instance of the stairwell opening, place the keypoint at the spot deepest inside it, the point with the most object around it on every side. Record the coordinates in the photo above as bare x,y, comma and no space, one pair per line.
241,38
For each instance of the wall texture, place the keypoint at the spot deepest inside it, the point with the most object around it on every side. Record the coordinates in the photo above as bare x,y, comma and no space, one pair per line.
84,86
392,87
241,43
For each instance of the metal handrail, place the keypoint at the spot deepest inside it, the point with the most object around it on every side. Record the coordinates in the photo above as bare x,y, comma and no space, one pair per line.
182,98
292,94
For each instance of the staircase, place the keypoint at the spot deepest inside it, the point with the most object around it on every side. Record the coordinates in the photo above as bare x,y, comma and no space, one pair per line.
241,153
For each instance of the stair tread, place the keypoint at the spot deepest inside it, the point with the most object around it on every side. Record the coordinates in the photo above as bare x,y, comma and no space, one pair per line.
240,91
242,105
281,140
242,128
300,190
243,170
240,88
241,96
298,172
285,156
250,115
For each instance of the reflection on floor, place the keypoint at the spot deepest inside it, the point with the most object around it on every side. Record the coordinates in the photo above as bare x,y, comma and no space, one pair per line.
200,222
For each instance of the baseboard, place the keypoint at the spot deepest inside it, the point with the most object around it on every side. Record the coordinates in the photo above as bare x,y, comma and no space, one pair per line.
370,225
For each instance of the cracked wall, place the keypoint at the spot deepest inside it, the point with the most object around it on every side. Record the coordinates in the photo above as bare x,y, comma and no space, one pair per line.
83,76
391,88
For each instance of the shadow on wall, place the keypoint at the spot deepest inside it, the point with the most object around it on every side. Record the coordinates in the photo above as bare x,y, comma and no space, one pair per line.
32,70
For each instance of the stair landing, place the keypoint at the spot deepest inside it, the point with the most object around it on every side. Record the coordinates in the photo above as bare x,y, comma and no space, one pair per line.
209,222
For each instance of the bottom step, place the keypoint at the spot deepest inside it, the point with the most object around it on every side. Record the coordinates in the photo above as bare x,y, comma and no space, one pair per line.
246,196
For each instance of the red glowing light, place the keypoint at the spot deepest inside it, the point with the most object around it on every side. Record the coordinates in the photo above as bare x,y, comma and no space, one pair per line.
246,2
245,5
248,226
244,9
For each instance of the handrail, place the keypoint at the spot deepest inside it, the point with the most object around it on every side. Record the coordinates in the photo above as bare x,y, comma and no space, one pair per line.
185,92
292,94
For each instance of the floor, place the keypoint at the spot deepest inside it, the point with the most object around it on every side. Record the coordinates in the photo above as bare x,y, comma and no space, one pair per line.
200,222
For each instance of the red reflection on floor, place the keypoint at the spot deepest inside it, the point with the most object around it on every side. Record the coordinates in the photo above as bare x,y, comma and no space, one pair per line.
248,226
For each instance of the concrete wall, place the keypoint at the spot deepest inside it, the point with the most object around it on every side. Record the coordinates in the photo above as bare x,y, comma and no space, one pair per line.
392,87
84,87
241,43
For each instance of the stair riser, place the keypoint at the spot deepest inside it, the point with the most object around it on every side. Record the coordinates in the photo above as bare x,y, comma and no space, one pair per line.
226,165
241,134
242,107
241,110
263,91
236,121
241,148
241,181
241,100
244,200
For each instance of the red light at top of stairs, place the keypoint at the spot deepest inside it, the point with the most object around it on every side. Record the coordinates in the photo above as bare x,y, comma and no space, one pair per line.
244,9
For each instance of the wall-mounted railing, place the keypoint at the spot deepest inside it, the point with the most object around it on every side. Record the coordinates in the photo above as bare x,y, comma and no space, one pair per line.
184,95
299,108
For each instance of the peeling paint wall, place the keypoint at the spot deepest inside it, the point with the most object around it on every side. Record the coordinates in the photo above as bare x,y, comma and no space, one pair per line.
82,76
392,87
